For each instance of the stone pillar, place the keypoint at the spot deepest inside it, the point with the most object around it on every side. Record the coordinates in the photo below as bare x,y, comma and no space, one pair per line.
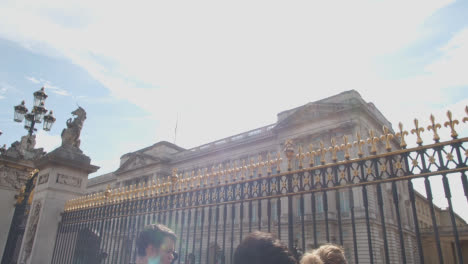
63,175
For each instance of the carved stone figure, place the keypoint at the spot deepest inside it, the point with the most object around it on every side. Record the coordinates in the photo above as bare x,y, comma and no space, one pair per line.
24,149
71,134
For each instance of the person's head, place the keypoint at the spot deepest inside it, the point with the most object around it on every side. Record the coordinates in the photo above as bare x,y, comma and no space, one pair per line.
329,254
262,248
310,258
156,244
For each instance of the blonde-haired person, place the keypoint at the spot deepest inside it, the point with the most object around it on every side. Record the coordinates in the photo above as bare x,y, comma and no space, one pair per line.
326,254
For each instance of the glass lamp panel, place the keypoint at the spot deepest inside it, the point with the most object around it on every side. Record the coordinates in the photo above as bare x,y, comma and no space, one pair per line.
48,121
39,97
20,111
39,112
28,120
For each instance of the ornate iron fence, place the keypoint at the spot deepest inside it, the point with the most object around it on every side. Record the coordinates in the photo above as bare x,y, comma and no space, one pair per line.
366,203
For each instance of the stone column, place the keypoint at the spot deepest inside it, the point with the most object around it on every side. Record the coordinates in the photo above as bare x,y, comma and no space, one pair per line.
63,175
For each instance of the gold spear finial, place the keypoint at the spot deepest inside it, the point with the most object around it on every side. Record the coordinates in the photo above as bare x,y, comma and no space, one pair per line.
373,141
322,151
359,143
311,155
452,124
251,167
417,130
243,169
300,156
387,136
434,128
278,162
334,148
289,152
269,163
346,146
402,135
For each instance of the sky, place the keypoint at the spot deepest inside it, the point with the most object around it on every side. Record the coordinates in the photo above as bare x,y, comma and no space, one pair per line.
219,68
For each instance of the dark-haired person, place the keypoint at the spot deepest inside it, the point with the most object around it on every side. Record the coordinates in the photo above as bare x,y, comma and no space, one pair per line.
262,248
156,245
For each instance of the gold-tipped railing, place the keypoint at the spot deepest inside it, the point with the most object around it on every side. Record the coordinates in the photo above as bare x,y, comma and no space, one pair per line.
206,177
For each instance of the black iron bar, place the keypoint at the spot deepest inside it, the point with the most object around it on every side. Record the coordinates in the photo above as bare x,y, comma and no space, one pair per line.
400,228
111,223
117,233
202,225
301,205
353,224
269,214
189,220
250,215
397,209
382,221
314,218
338,205
224,229
259,215
448,195
216,226
208,238
233,214
369,235
209,233
325,212
290,212
278,217
195,225
58,251
416,223
427,184
464,180
380,203
182,222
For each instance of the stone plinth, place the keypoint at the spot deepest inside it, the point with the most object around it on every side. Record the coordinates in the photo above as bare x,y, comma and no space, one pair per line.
63,175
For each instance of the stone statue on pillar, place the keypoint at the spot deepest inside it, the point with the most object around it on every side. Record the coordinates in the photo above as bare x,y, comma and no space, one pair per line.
71,134
63,175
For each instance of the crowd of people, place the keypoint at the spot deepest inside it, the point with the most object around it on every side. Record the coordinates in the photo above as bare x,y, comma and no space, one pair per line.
156,245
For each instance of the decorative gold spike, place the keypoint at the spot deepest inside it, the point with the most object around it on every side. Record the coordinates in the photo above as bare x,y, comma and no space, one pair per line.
234,170
359,143
260,165
334,148
289,152
311,155
346,146
402,135
417,130
452,124
278,162
243,170
251,167
434,128
465,119
322,151
373,141
387,136
220,173
269,163
300,156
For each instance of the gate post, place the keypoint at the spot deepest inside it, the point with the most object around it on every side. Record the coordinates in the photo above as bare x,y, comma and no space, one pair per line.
63,175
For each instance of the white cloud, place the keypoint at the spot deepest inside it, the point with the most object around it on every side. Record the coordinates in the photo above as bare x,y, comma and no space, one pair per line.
47,141
32,79
225,68
48,85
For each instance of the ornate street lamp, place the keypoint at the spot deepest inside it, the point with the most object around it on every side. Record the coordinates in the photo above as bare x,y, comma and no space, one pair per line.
36,115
